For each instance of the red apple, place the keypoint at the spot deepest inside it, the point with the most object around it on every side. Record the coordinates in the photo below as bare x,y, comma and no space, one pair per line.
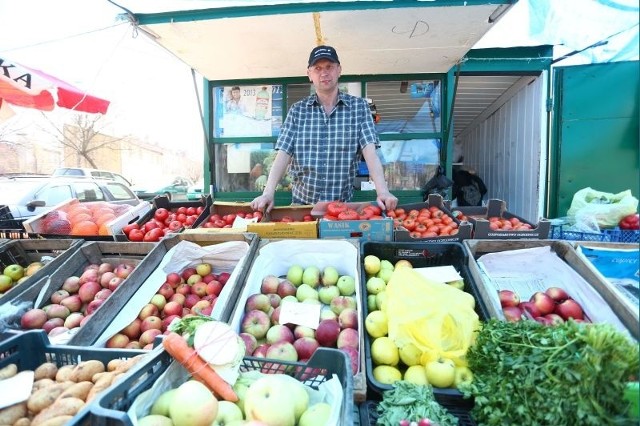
286,288
166,290
269,284
183,288
118,340
88,291
151,322
166,321
148,336
59,295
250,343
148,310
105,278
73,302
569,309
214,287
327,333
173,278
279,333
530,308
89,275
187,273
305,347
190,300
554,319
223,277
52,323
557,294
209,277
71,284
123,270
348,338
354,356
508,298
132,331
512,313
261,350
105,267
114,283
258,301
172,308
543,302
348,318
93,306
199,289
103,294
178,298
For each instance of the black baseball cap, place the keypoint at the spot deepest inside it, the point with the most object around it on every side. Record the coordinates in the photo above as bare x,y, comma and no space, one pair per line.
323,52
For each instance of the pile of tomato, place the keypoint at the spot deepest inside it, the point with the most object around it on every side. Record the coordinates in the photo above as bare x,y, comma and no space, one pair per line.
428,222
337,210
226,221
497,223
163,222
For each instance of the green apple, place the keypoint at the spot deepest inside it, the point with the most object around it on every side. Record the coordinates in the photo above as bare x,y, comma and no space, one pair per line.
299,396
14,271
155,420
385,264
416,374
347,285
268,401
459,284
385,274
316,415
371,303
372,264
161,405
294,274
463,377
376,324
387,374
381,299
227,413
193,403
375,285
305,291
441,373
330,276
5,283
311,276
384,351
240,387
327,294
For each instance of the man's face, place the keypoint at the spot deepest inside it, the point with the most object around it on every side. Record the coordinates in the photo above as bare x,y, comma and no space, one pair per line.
235,94
324,75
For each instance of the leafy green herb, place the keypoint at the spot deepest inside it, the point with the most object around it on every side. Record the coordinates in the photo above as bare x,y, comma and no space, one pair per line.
187,326
569,374
408,401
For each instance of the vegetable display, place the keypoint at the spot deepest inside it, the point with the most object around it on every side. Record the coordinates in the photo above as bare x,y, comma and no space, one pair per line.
570,374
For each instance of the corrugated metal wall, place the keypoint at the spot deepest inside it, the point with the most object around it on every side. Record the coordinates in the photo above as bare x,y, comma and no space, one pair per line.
506,147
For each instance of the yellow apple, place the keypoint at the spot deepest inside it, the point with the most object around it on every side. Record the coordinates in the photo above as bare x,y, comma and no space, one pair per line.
33,268
381,300
376,324
463,376
387,374
403,263
155,420
410,354
416,374
227,412
371,264
268,401
441,373
193,404
316,415
384,351
161,405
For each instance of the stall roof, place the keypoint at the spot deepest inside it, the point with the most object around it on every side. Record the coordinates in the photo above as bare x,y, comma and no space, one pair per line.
257,40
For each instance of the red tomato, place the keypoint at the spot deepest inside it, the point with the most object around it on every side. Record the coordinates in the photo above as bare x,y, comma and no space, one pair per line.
415,234
242,214
161,214
630,222
327,216
286,219
258,215
148,226
181,217
214,217
409,224
348,214
128,228
334,208
308,218
199,209
175,225
182,210
136,235
191,211
375,210
229,218
429,234
420,228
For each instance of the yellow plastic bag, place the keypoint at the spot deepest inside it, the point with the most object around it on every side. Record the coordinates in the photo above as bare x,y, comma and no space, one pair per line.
438,319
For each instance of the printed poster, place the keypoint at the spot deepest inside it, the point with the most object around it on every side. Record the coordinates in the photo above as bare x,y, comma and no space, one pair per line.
247,111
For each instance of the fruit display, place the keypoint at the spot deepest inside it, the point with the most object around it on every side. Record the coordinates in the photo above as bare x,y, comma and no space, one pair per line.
15,274
394,358
187,293
427,222
337,210
81,219
336,315
550,307
162,222
217,220
497,223
78,297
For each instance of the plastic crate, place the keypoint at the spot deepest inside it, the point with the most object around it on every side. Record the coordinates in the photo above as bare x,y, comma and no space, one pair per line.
7,221
111,407
23,252
30,349
420,254
369,414
615,235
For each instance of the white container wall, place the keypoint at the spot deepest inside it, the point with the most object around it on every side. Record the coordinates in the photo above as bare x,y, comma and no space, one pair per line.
507,146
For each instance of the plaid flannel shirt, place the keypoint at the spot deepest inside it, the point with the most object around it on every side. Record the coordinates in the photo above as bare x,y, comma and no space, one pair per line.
325,149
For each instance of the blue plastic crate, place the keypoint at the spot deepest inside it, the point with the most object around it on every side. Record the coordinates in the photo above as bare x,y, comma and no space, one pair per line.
616,235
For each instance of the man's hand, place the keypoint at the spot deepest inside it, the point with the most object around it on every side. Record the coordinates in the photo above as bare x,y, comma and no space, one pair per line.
387,201
262,203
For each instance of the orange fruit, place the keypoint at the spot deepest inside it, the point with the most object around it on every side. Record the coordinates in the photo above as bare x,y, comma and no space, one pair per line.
104,218
80,217
85,227
103,230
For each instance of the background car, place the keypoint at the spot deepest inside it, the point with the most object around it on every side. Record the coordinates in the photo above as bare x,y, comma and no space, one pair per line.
173,189
24,197
90,173
194,192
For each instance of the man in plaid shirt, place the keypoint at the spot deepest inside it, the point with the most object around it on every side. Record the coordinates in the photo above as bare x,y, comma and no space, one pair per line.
323,137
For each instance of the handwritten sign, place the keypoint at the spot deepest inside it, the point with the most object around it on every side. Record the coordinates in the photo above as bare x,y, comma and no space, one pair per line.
305,314
16,389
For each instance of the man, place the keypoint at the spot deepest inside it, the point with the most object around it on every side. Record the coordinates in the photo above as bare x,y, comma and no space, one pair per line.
324,137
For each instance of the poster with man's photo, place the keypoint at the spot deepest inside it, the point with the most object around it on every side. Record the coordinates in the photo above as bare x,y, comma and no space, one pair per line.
247,111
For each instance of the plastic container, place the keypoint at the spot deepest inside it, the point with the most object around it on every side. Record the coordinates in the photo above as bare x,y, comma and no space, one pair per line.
24,252
420,254
30,349
616,235
369,414
110,408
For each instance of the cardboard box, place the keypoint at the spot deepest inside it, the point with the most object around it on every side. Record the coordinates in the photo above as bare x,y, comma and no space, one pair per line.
498,208
133,213
364,230
223,208
275,257
272,226
464,228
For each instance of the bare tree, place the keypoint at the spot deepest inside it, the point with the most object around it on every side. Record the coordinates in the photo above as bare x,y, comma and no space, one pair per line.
84,136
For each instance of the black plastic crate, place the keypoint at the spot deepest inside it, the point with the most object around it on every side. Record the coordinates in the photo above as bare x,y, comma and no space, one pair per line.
421,255
369,414
23,252
30,349
7,221
111,407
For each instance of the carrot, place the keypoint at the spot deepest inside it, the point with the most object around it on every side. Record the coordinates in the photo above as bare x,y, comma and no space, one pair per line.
177,347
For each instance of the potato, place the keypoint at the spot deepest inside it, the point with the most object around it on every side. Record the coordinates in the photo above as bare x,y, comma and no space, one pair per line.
8,371
77,390
11,414
126,365
64,373
62,407
23,421
114,363
86,369
101,384
39,384
47,370
57,421
44,397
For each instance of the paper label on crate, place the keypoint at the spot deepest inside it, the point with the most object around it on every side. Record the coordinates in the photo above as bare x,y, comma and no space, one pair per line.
445,274
305,314
16,389
241,222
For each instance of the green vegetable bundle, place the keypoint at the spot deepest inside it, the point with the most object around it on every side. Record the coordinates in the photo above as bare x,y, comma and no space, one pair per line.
411,402
526,373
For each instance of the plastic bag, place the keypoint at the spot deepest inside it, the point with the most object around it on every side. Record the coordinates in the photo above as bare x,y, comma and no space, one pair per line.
438,184
437,318
606,208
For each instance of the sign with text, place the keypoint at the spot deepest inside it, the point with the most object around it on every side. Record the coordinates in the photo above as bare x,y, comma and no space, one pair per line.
247,111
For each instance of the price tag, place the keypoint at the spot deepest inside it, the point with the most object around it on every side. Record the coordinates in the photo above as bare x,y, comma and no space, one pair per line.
305,314
444,274
16,389
241,222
